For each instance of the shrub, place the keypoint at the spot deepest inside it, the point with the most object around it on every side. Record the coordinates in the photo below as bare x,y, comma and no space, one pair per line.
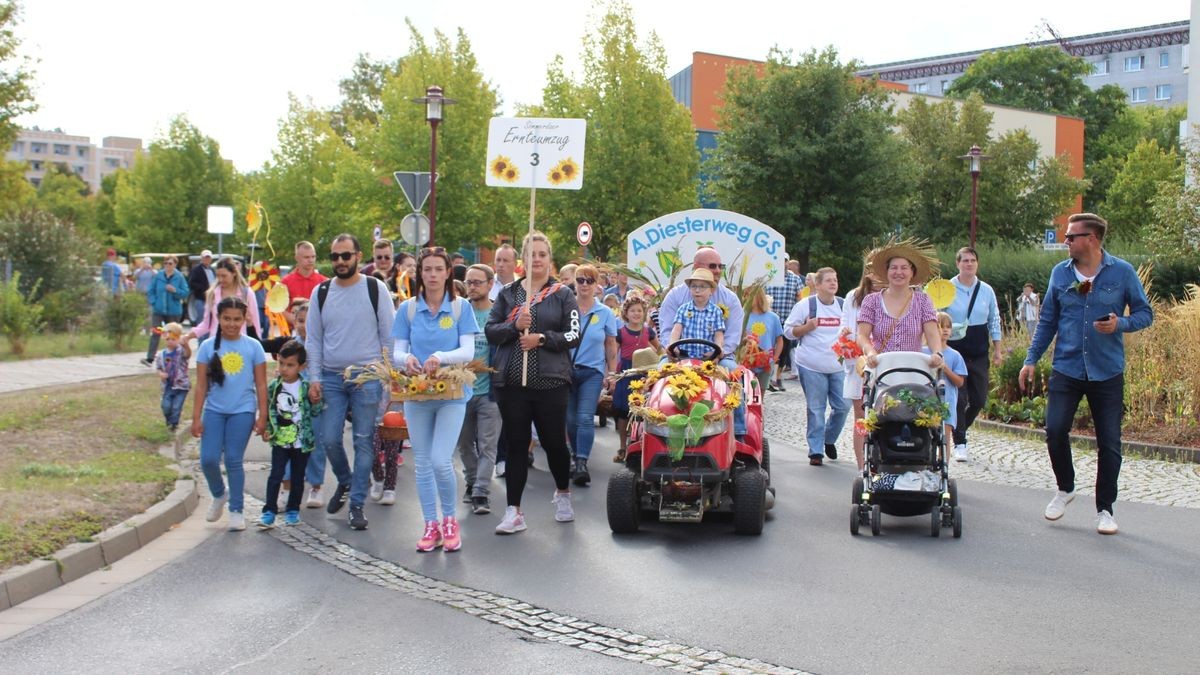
49,253
64,310
19,317
123,316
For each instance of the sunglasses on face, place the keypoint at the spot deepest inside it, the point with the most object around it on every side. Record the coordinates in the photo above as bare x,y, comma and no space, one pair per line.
383,257
715,266
584,281
345,255
1076,235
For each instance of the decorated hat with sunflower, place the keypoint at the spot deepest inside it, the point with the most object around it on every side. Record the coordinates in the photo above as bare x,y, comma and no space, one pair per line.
919,253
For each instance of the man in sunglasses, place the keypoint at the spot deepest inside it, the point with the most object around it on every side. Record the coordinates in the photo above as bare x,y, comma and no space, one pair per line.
382,261
710,259
1083,312
349,326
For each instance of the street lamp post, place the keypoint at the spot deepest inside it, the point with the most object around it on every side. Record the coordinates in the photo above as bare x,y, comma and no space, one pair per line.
974,159
435,103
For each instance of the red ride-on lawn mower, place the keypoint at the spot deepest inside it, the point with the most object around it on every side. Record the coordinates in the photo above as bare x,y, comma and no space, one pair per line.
711,469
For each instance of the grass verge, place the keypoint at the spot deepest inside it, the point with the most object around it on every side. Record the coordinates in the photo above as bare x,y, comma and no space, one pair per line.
57,345
79,459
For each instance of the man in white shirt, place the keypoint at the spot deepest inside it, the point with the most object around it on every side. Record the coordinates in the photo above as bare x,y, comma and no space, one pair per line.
816,322
506,270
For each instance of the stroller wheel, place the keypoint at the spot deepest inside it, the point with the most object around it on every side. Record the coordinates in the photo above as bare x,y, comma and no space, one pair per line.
935,522
953,490
856,491
957,522
876,519
855,519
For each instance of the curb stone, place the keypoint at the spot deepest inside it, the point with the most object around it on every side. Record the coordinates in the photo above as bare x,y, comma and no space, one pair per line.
1174,453
81,558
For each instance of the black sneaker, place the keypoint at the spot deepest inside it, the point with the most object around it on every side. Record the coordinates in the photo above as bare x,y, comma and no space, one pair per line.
481,506
467,496
831,451
338,500
582,477
357,520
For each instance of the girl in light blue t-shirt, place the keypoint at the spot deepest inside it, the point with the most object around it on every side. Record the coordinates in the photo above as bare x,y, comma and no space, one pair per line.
230,402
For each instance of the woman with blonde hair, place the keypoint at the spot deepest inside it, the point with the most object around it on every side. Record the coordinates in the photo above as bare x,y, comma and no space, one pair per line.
229,283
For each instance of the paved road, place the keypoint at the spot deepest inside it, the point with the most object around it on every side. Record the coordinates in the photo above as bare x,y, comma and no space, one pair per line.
1016,594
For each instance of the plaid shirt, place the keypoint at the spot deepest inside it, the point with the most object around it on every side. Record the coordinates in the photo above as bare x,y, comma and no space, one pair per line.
783,298
699,324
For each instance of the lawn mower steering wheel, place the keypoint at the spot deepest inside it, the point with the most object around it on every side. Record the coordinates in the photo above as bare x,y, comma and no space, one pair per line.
673,348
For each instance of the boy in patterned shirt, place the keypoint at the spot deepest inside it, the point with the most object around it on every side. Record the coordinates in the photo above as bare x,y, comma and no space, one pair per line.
699,318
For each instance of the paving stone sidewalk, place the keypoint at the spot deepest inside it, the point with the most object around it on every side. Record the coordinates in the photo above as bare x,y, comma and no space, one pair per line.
1006,459
34,373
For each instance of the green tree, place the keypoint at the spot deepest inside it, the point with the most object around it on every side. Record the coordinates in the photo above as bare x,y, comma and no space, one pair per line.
16,76
808,148
641,159
1019,193
1130,127
107,232
65,195
467,212
1174,230
16,193
362,95
162,203
1128,205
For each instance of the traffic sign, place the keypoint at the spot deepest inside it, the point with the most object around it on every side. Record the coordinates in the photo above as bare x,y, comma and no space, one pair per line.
220,220
414,229
583,234
415,185
1051,237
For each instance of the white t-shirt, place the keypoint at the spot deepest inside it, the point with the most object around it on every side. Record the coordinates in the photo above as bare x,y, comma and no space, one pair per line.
815,351
287,407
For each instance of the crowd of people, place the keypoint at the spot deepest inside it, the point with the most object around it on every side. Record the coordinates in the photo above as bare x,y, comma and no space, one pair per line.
554,344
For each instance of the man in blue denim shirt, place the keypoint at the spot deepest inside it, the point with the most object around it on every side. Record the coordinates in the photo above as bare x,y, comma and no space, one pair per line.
1084,306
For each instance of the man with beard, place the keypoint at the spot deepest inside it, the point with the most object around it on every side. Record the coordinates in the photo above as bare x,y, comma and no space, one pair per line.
481,426
349,326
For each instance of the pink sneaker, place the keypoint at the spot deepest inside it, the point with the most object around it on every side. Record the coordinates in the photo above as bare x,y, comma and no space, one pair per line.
432,537
451,540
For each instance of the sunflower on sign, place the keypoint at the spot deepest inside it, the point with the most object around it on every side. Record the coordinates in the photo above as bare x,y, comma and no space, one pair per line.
263,275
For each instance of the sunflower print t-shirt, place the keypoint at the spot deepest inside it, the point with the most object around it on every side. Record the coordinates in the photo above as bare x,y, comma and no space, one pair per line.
238,359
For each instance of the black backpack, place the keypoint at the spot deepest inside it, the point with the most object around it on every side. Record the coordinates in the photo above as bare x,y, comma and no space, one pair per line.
372,292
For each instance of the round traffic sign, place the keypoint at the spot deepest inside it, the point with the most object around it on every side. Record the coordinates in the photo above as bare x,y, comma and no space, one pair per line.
414,229
583,234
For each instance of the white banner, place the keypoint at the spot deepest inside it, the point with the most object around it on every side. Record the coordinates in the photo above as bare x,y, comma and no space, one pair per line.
535,152
670,241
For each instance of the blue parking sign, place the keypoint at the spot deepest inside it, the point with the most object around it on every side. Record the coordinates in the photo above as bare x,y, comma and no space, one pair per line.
1051,236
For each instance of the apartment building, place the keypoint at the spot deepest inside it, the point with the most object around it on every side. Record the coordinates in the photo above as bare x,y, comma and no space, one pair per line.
41,150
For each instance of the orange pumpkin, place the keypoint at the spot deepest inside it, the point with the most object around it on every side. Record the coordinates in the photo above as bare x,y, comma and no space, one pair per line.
394,418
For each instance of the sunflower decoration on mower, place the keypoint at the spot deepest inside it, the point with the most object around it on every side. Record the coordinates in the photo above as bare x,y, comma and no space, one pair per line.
684,458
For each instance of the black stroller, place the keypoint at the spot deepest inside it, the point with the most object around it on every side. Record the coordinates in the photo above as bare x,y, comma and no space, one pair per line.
906,473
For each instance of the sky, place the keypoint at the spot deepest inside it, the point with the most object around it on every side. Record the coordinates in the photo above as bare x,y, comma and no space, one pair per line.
126,67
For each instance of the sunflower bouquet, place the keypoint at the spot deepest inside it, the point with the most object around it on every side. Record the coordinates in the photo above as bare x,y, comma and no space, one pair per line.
448,383
922,411
690,390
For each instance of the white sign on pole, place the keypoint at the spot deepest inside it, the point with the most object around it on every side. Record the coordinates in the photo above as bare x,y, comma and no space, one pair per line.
220,220
414,229
535,152
583,234
669,242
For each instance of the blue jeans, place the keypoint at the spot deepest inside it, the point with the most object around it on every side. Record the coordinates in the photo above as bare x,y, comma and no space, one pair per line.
225,435
1106,400
581,410
172,405
363,402
314,470
433,430
195,311
821,390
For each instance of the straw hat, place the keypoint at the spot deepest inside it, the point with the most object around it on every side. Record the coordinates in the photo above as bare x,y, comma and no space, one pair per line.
645,359
702,274
920,254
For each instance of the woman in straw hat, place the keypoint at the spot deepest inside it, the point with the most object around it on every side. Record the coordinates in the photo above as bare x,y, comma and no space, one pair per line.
896,318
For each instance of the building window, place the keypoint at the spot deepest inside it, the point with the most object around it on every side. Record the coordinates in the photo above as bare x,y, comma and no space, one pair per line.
62,149
18,147
921,87
1164,60
1100,67
79,169
1134,63
36,166
111,162
945,85
35,182
37,148
81,151
1162,92
1137,95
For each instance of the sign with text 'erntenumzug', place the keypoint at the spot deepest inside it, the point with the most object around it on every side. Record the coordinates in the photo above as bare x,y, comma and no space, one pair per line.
749,249
535,152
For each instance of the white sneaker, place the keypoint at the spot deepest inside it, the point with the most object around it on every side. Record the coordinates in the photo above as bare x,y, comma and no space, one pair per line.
376,491
237,521
960,452
315,500
513,522
1058,506
217,508
499,469
388,498
1105,524
563,512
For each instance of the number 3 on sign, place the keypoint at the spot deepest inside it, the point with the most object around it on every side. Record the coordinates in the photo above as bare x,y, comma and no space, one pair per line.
533,159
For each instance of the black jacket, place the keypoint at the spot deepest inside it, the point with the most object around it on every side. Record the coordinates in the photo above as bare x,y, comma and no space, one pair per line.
557,319
198,281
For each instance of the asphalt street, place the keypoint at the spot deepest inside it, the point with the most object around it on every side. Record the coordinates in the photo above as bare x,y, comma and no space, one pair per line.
1015,594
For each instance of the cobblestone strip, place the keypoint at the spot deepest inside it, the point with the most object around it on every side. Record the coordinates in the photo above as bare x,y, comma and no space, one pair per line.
530,621
1006,459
